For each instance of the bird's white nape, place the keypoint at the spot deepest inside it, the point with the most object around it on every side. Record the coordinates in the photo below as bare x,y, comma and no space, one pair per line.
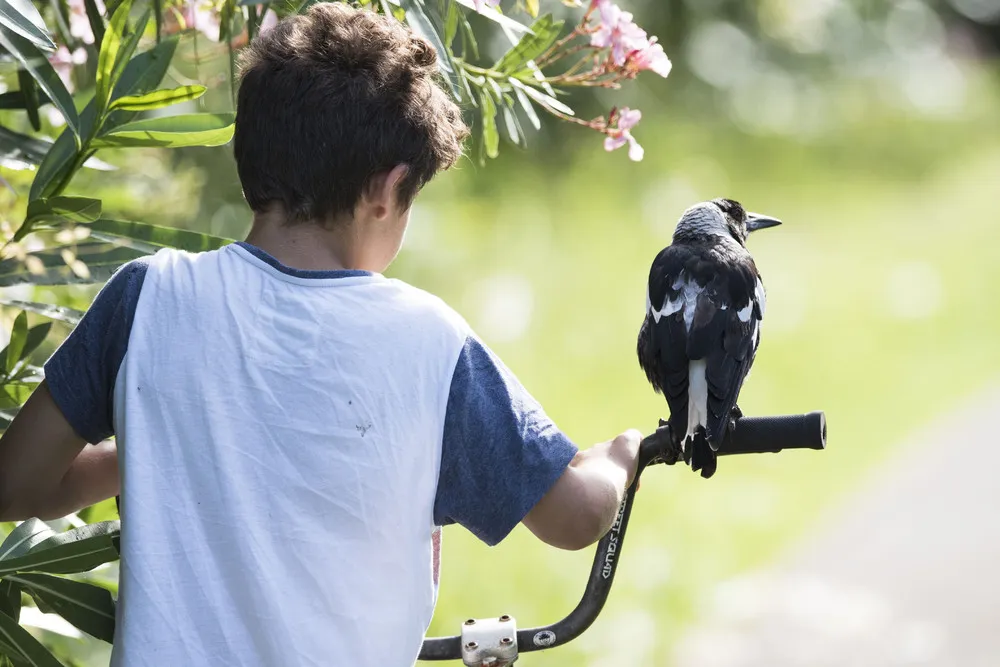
704,218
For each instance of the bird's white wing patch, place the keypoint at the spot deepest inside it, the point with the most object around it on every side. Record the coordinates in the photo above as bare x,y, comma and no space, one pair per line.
760,296
745,312
687,300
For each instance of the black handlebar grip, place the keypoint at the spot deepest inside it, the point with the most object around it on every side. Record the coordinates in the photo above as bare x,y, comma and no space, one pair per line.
758,435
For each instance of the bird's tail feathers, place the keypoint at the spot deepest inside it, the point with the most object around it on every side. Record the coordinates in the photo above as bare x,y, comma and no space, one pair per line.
699,454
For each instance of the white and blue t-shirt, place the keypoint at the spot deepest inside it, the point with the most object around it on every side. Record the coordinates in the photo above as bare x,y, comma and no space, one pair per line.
289,442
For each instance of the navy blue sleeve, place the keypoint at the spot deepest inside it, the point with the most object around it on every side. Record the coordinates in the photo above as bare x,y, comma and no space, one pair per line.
81,374
501,453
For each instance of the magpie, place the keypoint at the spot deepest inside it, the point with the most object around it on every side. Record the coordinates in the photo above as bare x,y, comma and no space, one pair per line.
704,304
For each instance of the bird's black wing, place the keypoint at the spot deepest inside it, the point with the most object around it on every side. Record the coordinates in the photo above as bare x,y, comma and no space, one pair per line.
662,344
725,333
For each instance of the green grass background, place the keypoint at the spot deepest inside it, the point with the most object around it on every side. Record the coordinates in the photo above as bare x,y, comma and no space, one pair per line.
882,291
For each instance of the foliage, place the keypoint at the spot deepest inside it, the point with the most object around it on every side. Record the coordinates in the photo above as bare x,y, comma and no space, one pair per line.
30,554
67,239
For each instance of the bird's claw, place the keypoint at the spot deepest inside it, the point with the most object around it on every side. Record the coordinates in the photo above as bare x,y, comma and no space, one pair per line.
734,416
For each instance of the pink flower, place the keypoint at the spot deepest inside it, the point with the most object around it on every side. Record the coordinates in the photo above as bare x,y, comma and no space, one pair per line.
63,61
79,24
269,21
203,17
618,33
651,57
621,135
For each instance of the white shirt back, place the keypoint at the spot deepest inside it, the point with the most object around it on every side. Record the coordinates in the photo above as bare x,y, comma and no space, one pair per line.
320,444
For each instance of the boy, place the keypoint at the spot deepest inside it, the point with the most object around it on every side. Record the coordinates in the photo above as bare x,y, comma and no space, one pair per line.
292,427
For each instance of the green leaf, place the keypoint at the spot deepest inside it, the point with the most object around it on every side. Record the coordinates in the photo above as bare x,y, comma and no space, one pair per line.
513,127
142,74
38,65
532,7
102,511
35,337
60,313
451,23
54,167
102,259
18,337
27,647
420,22
14,394
77,209
543,33
14,99
151,238
545,101
108,56
112,6
158,98
88,607
26,535
197,129
131,42
531,67
495,16
20,148
470,45
77,550
10,599
21,17
158,13
29,91
528,107
491,138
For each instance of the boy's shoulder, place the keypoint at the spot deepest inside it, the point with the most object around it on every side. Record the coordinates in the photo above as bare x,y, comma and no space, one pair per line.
393,292
426,304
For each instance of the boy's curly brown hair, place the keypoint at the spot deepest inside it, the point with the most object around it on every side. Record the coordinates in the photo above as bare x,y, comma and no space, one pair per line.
329,99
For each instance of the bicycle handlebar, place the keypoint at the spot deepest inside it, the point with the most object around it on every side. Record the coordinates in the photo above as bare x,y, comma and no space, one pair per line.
749,436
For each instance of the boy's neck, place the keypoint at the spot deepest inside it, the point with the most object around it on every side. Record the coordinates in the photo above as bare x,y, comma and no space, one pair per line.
309,245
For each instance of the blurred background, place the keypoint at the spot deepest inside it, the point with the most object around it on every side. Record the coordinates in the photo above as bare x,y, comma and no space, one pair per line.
872,128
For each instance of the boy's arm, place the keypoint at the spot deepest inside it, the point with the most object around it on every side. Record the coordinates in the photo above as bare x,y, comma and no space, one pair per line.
45,469
583,503
504,462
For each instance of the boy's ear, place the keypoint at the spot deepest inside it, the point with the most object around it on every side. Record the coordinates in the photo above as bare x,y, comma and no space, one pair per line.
382,193
395,177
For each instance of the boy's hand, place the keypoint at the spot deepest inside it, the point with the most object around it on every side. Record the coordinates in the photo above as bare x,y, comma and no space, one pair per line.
625,451
582,505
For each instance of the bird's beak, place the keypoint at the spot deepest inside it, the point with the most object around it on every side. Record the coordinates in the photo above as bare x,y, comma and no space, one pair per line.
757,221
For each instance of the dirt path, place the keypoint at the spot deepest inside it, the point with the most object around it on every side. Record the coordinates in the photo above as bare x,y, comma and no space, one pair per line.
907,572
